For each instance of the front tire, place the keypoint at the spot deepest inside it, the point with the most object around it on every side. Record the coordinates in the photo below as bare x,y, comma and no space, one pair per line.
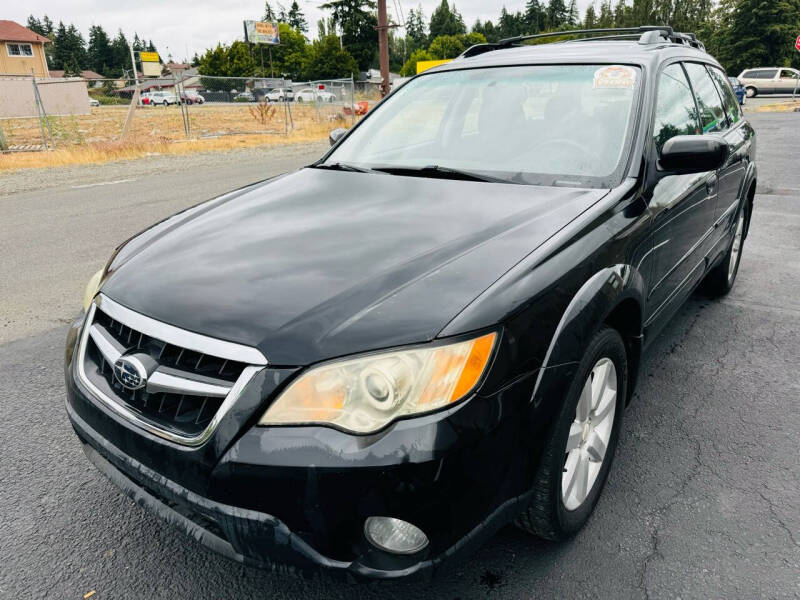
751,92
582,442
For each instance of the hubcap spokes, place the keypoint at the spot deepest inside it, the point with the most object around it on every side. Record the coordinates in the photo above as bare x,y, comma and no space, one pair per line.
589,433
737,247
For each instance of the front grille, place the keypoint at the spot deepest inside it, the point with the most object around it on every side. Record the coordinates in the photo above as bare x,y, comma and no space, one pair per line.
184,389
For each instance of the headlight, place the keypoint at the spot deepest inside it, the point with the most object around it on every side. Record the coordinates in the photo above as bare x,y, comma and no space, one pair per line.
363,395
91,289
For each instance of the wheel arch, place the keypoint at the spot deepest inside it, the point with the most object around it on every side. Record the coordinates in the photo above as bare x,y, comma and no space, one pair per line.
614,296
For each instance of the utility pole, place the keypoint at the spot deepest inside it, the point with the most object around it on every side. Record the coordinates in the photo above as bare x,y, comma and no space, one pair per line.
383,46
135,74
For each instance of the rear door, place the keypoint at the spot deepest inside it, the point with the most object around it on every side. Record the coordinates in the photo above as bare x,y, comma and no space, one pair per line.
731,176
682,205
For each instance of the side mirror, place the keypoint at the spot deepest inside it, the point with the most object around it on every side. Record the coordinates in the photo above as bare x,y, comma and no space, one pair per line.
684,154
336,135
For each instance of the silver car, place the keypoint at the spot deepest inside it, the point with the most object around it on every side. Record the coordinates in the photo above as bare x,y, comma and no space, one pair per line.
770,80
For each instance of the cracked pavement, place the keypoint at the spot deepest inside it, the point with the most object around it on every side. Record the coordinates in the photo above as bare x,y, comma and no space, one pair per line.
702,500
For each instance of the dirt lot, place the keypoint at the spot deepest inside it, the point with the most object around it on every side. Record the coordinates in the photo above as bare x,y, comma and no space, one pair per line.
159,123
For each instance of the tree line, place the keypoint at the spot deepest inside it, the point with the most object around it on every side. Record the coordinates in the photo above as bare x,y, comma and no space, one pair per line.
739,33
70,52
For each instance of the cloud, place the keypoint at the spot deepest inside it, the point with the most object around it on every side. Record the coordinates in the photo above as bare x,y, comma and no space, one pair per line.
181,28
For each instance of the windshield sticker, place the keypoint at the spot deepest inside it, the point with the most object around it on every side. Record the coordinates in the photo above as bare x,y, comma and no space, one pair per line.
615,77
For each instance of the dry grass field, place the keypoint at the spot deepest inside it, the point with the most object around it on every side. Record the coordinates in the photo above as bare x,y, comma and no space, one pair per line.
96,137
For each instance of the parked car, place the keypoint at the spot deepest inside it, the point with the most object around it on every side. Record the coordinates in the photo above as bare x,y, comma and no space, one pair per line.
772,80
159,98
370,365
312,95
93,102
244,97
192,97
279,95
738,89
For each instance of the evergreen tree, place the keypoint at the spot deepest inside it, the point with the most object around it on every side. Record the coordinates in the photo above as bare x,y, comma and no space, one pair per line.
512,24
120,51
296,19
358,22
621,13
762,33
72,67
68,45
415,27
101,57
35,24
535,16
573,16
487,30
269,13
556,14
446,21
606,18
590,21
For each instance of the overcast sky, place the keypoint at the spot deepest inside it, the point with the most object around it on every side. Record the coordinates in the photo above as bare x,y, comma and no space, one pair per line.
183,28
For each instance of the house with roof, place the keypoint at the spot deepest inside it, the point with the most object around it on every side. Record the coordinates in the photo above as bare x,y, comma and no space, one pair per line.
91,78
22,50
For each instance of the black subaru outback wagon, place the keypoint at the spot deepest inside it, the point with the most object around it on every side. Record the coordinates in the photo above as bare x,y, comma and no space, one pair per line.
370,365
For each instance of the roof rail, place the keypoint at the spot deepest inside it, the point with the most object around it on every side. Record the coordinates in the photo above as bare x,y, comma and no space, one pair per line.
648,34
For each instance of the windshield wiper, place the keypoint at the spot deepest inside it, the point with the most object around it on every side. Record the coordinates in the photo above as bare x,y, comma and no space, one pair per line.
340,166
442,173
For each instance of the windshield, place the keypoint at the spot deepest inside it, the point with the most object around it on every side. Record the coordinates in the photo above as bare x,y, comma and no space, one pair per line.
547,125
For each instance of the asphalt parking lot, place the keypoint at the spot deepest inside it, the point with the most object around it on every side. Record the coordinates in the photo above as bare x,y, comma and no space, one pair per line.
702,502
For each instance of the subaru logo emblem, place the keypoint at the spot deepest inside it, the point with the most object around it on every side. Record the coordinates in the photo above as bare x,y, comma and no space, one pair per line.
130,372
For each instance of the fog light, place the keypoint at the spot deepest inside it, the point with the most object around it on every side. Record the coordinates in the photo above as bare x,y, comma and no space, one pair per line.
394,535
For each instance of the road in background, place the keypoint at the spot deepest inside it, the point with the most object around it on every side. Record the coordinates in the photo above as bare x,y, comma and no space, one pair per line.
701,503
56,235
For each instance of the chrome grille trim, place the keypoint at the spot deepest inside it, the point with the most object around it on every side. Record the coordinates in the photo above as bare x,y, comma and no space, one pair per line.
179,337
163,379
174,336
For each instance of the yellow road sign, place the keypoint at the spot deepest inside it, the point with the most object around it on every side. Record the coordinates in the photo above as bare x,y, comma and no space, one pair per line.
148,56
424,65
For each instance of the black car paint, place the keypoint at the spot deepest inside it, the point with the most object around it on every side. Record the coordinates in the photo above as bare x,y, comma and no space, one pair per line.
545,277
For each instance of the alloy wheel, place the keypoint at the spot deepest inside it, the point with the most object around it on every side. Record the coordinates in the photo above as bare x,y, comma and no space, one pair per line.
589,433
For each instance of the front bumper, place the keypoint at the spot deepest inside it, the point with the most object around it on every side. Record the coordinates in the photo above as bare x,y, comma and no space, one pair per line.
296,498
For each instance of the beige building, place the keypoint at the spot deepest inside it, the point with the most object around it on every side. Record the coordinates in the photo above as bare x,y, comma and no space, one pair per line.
21,50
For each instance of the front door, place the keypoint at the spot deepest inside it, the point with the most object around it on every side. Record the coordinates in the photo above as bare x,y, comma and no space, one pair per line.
682,205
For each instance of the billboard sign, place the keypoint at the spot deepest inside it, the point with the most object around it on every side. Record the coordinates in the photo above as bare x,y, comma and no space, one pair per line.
151,69
148,56
260,32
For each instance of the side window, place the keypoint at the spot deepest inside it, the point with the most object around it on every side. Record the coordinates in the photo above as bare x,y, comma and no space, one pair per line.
788,74
728,96
712,115
768,74
675,109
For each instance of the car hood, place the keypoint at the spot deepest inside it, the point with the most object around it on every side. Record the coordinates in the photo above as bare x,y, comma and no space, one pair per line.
319,264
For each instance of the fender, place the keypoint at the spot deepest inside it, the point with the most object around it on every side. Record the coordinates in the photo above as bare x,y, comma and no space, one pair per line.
750,179
616,292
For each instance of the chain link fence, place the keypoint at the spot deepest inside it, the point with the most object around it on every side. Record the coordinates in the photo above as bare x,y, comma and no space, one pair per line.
174,108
